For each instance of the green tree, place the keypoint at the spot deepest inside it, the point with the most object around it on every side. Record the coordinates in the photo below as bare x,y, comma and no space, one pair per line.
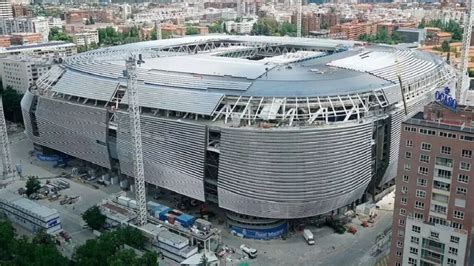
7,234
32,185
56,34
445,46
286,28
190,30
12,104
94,218
216,27
265,26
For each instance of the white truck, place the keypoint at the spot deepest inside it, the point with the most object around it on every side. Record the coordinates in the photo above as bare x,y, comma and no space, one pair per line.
251,252
308,236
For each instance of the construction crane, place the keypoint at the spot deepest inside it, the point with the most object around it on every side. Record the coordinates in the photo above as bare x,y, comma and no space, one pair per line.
136,137
158,29
298,17
8,171
462,83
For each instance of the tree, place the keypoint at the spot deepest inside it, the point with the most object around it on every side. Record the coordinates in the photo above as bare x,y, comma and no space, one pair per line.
32,185
11,104
7,234
445,46
94,218
56,34
190,30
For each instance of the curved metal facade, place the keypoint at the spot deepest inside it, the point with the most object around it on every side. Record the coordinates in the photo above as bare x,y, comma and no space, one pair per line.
173,153
293,173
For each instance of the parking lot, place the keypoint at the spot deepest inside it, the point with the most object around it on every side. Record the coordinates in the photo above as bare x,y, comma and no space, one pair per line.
330,248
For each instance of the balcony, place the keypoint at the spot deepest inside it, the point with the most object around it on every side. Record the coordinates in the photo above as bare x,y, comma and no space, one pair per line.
441,190
436,260
433,246
444,163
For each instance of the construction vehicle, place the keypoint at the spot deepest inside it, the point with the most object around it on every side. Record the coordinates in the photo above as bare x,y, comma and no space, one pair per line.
308,236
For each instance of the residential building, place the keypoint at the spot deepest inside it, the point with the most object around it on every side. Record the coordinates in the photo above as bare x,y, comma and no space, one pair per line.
5,41
352,30
434,203
9,26
21,11
86,37
6,9
26,38
55,23
20,72
29,214
243,27
309,22
55,48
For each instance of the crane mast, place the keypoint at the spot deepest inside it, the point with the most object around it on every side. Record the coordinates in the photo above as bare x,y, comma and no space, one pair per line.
298,17
462,83
8,171
136,137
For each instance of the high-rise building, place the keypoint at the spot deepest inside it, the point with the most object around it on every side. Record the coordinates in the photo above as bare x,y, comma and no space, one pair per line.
9,26
20,72
434,203
6,9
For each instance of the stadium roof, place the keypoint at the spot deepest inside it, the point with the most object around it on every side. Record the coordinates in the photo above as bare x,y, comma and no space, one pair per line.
179,73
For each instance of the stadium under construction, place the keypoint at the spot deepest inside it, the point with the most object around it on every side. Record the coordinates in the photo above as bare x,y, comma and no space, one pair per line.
267,128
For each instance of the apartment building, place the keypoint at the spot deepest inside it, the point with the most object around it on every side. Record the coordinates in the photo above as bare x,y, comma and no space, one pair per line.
20,72
434,203
49,49
9,26
6,9
86,37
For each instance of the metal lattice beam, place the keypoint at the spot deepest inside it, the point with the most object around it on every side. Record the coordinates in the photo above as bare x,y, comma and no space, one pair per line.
8,171
135,130
461,87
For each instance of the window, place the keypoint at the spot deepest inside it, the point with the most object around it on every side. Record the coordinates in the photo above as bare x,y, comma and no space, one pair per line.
434,234
403,201
419,205
425,146
458,214
407,166
453,251
399,244
410,129
403,212
456,225
445,150
407,155
466,138
447,135
454,239
421,182
401,222
398,263
412,261
444,173
413,250
463,179
401,233
465,166
424,158
451,262
399,253
461,191
423,170
427,132
439,209
416,229
409,143
415,240
418,216
461,203
404,190
405,178
466,153
420,193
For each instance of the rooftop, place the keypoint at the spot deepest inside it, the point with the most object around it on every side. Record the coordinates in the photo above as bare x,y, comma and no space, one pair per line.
27,206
